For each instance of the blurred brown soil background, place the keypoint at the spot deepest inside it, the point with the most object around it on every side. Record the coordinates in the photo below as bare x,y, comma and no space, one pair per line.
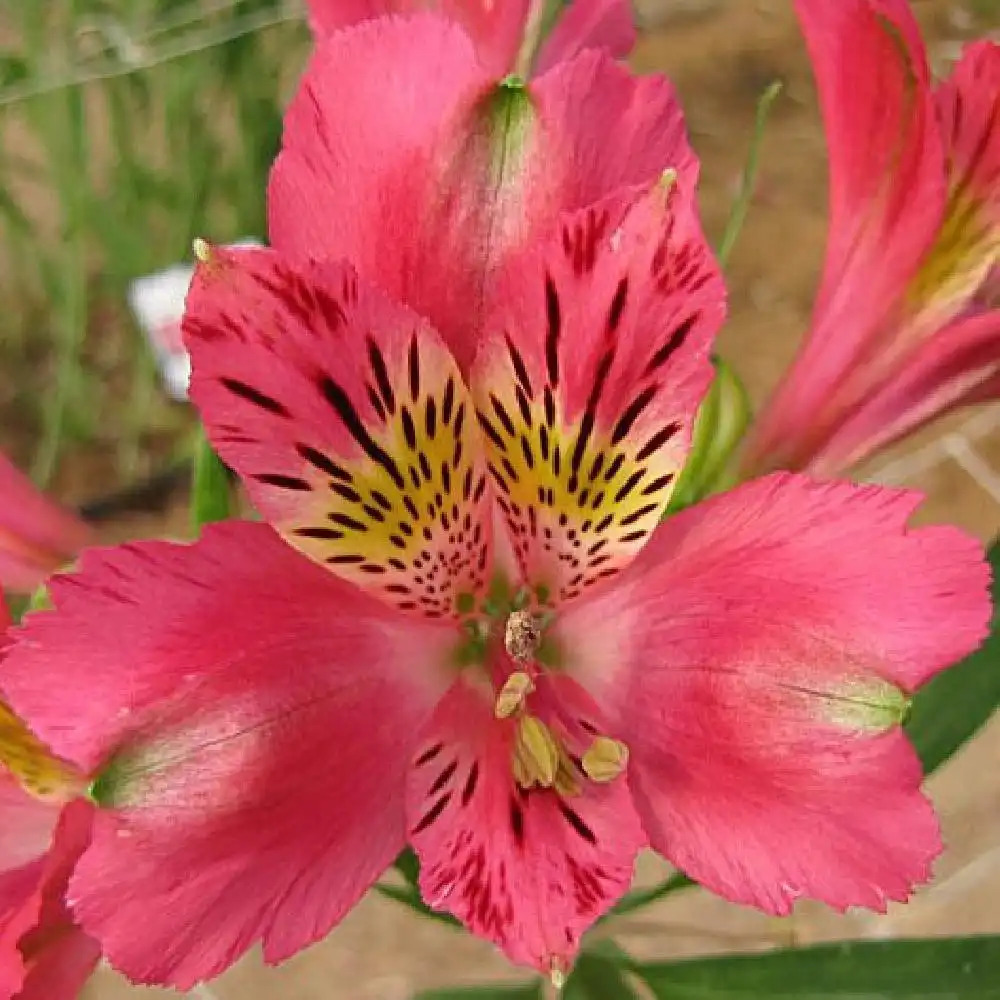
721,54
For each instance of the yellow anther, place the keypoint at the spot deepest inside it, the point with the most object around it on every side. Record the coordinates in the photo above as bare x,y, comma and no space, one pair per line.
668,179
512,695
605,759
202,250
566,783
536,753
522,635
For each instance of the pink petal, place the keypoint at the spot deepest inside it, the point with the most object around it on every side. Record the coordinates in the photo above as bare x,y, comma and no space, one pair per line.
589,381
39,943
967,104
496,29
252,717
349,422
528,870
749,657
959,365
59,955
586,24
398,174
36,535
887,196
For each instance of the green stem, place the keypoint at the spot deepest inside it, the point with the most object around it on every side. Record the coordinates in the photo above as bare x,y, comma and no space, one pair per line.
748,181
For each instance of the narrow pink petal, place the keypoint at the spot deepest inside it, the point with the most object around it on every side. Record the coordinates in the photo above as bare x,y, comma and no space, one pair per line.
19,905
958,366
38,849
59,956
589,24
398,174
589,380
349,422
62,969
968,104
528,870
36,535
749,659
251,717
887,197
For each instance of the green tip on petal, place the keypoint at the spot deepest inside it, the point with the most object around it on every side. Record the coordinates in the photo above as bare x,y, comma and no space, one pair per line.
510,114
868,706
40,600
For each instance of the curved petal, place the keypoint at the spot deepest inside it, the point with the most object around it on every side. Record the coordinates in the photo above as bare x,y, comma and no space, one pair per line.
427,174
887,198
39,942
496,29
251,718
752,657
36,535
26,832
59,956
958,366
349,422
530,870
589,24
966,250
968,105
588,384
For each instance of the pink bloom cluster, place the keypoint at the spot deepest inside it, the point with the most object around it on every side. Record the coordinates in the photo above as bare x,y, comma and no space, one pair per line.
459,387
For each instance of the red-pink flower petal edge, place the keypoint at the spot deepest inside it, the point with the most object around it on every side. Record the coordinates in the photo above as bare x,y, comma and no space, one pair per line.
252,717
36,535
526,869
753,658
44,955
398,175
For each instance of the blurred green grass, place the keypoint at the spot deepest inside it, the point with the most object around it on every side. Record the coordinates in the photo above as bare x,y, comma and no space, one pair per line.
127,128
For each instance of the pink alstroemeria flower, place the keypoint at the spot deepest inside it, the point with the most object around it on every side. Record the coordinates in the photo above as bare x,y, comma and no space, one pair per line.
465,628
43,954
501,28
36,535
907,322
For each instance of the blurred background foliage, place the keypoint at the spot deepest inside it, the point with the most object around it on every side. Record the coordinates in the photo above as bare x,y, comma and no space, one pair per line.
127,128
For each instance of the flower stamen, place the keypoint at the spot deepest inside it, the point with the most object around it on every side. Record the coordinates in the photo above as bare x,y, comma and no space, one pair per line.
513,694
605,759
536,756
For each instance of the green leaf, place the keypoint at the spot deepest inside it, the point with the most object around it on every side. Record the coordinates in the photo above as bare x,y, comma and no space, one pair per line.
599,974
410,896
949,710
211,492
638,898
748,181
408,865
529,991
934,969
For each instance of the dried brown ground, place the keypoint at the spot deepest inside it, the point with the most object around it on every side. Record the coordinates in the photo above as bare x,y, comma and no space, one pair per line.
721,54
